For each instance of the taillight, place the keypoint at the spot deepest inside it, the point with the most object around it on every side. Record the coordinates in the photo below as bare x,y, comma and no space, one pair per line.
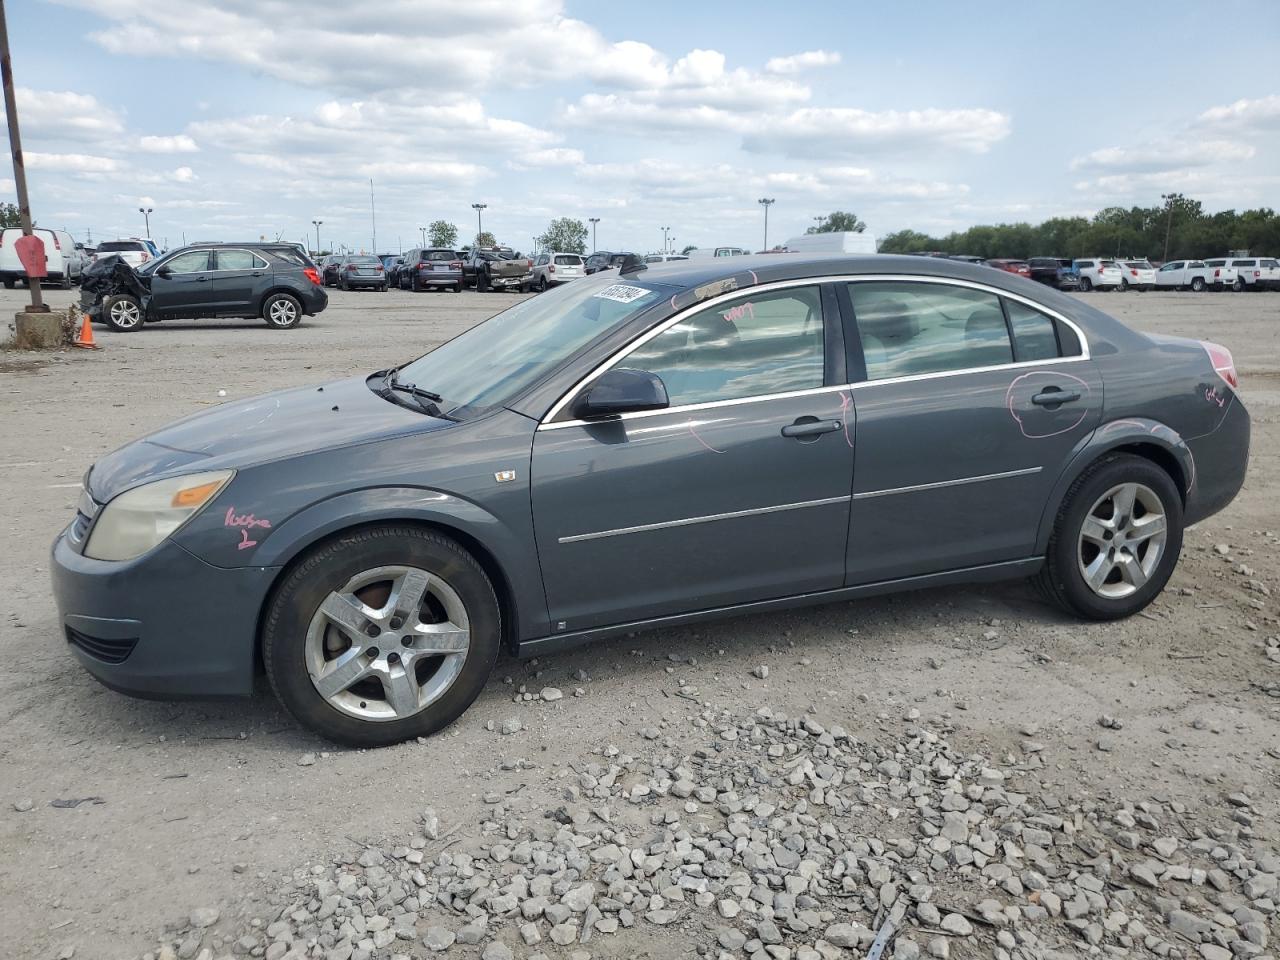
1257,273
1223,365
312,274
57,244
455,264
1134,272
379,268
551,269
145,257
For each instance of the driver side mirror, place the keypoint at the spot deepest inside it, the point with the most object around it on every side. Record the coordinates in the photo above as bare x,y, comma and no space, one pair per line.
621,390
164,271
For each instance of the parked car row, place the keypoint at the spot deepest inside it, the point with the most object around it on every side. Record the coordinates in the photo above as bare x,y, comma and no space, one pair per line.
1104,273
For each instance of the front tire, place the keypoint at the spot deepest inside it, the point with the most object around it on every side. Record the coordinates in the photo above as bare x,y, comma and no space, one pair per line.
281,311
1116,539
123,313
381,635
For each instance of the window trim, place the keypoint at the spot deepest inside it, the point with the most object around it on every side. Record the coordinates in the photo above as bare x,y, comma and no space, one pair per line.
549,421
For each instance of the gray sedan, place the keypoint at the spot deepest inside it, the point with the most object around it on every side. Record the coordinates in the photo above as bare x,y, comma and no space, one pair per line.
642,450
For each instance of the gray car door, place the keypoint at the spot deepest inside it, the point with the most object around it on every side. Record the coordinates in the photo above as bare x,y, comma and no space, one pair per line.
240,278
971,406
181,286
738,491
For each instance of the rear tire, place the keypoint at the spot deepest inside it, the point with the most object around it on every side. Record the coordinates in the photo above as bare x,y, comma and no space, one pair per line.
482,283
1197,284
282,311
1086,284
1237,285
10,284
1074,547
1124,285
362,714
123,313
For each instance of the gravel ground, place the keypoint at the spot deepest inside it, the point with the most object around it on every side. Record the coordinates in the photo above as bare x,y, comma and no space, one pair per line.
988,775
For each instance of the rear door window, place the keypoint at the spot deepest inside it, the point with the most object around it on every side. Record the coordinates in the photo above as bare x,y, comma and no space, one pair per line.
910,328
1038,336
753,346
239,260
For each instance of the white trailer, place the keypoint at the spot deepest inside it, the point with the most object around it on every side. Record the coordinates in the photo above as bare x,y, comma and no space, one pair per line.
838,242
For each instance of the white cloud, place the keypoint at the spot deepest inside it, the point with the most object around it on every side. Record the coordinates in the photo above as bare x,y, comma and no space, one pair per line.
70,162
802,61
550,157
64,115
831,131
1245,114
180,143
1164,155
184,175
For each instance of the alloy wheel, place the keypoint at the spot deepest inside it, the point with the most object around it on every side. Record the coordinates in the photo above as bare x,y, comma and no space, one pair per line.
388,643
1122,540
282,312
125,314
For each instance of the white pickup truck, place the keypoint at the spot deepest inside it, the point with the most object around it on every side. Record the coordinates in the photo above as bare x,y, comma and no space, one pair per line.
1220,275
1183,275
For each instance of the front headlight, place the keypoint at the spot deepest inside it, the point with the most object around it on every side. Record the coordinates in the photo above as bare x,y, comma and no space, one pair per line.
140,518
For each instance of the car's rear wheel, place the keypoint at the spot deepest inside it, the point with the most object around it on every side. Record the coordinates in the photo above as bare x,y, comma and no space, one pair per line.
282,311
1197,284
122,312
457,287
10,284
1238,284
1124,285
1086,284
65,282
381,635
482,283
1116,539
542,284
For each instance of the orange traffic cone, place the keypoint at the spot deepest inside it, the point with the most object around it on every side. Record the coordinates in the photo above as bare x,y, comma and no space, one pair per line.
85,339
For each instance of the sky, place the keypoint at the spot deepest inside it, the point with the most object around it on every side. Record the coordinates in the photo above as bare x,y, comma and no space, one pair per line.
241,119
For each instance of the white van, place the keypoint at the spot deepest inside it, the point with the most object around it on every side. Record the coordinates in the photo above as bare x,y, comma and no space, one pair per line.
846,241
63,259
702,253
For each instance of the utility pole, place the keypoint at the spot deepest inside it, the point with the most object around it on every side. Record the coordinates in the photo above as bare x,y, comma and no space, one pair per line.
15,146
1168,199
819,221
316,224
373,219
766,202
594,221
478,207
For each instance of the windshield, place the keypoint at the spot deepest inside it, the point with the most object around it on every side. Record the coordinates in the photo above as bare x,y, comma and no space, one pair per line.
496,359
112,246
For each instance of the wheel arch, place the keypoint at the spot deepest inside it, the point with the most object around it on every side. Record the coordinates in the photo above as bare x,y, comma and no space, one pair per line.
1153,441
512,570
279,288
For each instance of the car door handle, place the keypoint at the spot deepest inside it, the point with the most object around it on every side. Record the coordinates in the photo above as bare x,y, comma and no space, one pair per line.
201,279
810,427
1055,397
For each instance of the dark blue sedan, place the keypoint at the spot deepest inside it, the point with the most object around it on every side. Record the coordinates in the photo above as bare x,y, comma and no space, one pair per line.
643,449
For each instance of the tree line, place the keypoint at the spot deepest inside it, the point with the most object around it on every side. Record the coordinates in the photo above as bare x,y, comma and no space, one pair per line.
1181,225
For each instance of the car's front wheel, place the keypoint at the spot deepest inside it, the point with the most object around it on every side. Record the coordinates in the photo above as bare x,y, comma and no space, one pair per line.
122,312
1116,540
282,311
381,635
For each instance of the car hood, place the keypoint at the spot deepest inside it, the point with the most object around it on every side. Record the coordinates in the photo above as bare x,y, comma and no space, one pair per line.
246,432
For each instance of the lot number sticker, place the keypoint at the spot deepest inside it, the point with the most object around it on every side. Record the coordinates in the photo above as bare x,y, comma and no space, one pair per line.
623,293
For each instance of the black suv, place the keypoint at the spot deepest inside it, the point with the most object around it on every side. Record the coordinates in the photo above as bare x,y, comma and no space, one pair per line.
277,282
607,260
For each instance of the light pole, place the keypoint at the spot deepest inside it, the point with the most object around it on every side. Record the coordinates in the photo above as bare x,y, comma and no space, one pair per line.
423,231
478,207
1168,199
665,231
819,221
146,217
594,221
766,202
316,224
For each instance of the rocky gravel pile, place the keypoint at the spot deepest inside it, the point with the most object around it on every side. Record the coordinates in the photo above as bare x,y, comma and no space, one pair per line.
782,838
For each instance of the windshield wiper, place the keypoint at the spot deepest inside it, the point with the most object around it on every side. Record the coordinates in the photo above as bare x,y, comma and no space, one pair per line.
427,401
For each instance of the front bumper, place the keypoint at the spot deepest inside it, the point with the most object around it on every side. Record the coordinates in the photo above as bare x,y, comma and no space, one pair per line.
164,626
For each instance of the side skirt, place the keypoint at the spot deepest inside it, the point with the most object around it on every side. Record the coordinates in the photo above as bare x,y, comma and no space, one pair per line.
988,573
